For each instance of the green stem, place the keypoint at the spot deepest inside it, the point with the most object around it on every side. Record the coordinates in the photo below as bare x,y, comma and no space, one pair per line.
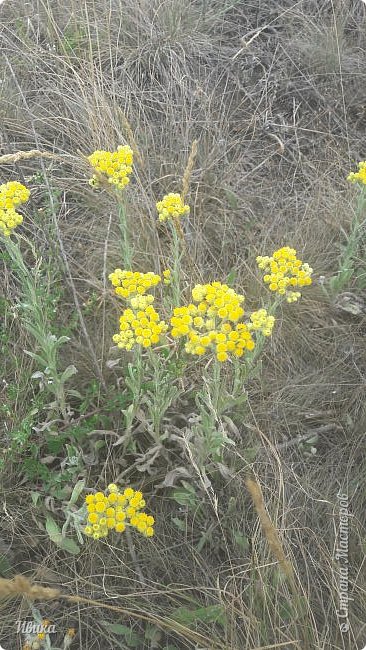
176,271
242,371
134,383
214,388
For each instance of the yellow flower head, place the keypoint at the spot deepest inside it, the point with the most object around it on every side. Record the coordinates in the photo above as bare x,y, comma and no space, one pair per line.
130,285
112,167
283,271
12,194
171,207
211,322
126,511
142,327
112,487
139,324
360,176
262,322
167,276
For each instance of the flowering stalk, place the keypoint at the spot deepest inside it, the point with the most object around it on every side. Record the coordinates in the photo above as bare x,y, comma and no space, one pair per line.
213,381
213,323
171,209
34,312
112,169
141,328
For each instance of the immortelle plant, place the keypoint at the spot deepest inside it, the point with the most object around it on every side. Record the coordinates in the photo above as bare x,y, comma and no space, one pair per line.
352,248
31,297
211,326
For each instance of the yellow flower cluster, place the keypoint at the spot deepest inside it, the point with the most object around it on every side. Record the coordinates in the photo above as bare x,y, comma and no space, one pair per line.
283,270
114,166
261,321
171,207
167,276
12,194
207,324
115,511
129,283
143,327
139,323
360,176
218,299
293,296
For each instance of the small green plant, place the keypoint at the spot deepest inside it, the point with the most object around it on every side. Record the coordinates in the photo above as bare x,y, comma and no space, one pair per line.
73,518
351,261
161,393
74,38
33,310
39,292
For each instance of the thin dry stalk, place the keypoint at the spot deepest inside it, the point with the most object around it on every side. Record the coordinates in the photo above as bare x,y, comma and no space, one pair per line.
188,170
131,138
185,189
270,531
26,155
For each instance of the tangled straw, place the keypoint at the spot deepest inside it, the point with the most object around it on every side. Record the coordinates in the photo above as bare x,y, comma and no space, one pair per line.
21,586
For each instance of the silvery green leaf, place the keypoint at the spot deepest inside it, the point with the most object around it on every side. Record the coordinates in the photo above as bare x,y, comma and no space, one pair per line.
111,363
62,339
36,357
67,373
76,492
35,496
74,393
57,538
37,375
79,535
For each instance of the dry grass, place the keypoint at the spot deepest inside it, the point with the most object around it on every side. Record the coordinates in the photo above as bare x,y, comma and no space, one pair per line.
274,93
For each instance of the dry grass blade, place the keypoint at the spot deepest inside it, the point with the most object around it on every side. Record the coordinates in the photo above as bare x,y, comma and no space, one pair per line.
28,155
270,531
188,170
